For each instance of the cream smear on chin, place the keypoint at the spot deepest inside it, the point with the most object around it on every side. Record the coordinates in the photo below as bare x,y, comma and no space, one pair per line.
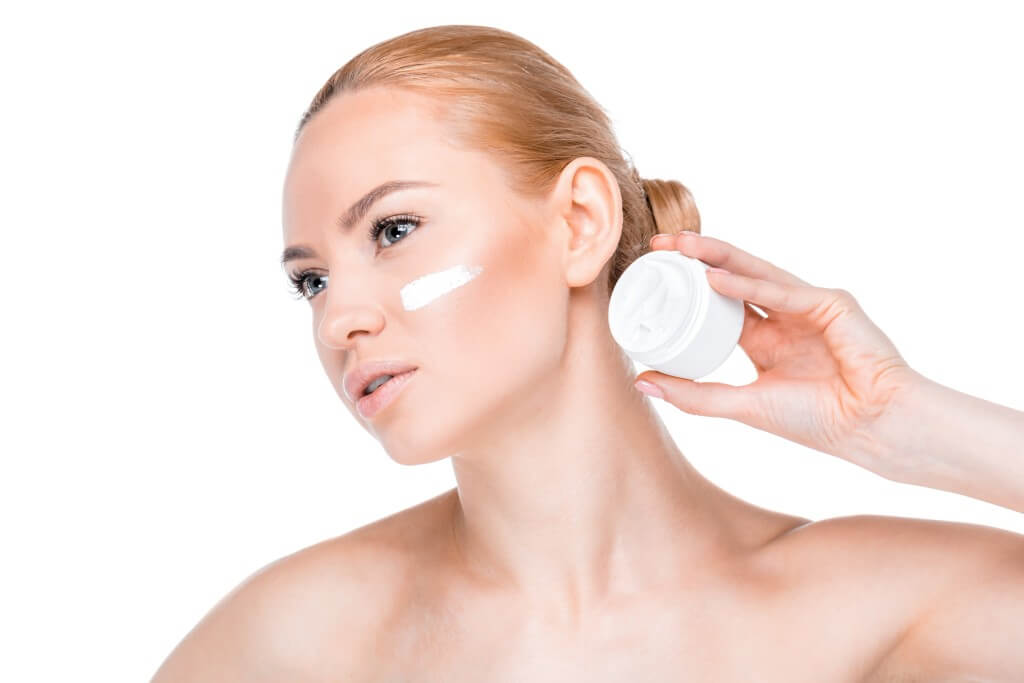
425,289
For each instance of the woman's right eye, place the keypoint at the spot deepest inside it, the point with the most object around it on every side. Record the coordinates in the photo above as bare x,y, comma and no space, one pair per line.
301,283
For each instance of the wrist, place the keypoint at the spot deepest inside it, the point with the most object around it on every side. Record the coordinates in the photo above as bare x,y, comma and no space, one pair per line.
935,436
904,438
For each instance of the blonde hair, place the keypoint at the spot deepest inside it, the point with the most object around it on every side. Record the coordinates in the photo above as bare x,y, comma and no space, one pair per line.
503,95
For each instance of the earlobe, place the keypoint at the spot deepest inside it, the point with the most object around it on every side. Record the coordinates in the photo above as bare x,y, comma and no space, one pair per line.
591,208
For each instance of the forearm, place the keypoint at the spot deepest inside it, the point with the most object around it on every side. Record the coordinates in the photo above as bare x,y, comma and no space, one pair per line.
942,438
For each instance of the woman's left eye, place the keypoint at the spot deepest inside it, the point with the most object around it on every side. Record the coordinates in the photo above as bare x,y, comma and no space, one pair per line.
394,228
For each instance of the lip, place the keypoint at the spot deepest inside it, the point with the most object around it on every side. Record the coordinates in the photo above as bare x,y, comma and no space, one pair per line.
368,406
357,379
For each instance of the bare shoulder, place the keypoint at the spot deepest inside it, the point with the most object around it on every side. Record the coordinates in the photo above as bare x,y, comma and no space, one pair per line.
886,574
911,537
310,615
924,553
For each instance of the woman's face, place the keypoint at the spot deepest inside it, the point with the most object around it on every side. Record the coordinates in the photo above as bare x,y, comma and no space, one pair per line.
484,333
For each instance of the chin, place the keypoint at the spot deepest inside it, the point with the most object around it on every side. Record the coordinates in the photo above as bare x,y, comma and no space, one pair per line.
408,449
427,436
413,458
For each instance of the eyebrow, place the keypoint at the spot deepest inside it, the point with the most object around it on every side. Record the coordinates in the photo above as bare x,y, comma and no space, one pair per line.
356,212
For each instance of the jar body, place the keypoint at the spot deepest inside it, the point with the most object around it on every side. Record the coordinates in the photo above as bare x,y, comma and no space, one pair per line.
664,314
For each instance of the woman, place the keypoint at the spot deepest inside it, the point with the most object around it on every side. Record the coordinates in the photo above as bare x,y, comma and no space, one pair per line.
456,211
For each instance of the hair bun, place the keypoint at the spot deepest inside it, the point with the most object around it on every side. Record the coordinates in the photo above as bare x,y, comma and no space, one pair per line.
672,206
650,206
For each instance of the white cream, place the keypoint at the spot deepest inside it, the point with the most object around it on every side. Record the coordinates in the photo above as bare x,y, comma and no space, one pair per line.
425,289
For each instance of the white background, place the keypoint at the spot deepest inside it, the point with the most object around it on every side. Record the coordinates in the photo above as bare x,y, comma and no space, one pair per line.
167,427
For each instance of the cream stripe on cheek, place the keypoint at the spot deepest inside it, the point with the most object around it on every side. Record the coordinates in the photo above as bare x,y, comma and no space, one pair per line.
423,290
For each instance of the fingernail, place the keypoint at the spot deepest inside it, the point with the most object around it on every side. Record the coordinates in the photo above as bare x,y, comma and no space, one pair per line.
650,243
649,389
718,270
690,239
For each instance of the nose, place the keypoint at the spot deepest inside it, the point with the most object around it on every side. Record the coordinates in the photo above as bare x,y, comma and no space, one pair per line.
342,324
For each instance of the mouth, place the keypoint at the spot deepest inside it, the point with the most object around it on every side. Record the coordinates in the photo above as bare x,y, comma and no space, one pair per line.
372,403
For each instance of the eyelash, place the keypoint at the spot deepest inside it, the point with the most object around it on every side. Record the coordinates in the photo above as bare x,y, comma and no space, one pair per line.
298,280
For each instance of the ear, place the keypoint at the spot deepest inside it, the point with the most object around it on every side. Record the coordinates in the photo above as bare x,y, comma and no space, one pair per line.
588,203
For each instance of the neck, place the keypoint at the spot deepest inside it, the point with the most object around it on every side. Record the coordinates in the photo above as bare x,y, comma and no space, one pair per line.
579,494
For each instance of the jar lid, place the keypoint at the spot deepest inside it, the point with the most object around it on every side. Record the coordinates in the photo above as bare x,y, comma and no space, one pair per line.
653,303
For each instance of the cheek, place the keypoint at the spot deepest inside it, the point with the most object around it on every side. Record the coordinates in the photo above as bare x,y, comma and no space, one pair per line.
486,335
488,332
423,290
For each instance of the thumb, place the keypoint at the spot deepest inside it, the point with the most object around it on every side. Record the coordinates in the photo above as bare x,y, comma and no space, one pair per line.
711,399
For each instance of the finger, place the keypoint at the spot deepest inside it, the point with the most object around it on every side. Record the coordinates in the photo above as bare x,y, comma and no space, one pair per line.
662,240
796,299
721,254
711,399
751,319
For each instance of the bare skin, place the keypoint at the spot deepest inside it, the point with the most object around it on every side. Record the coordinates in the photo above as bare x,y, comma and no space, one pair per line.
780,598
575,547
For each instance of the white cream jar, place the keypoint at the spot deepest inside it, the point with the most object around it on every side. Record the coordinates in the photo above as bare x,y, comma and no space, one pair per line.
665,315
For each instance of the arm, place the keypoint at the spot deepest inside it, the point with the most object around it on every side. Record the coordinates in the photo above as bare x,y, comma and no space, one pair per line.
955,442
972,627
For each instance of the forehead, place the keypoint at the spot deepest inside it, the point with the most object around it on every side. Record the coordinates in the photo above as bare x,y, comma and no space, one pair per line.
360,140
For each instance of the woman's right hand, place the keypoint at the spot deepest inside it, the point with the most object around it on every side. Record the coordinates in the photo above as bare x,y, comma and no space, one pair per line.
827,375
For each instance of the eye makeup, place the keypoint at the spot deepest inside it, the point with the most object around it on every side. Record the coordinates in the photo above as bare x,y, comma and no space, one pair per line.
425,289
